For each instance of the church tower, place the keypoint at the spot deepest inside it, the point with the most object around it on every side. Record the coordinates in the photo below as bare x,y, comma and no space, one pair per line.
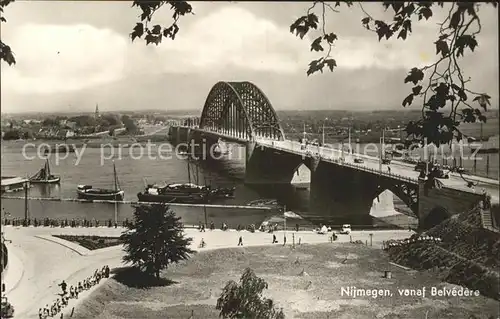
96,114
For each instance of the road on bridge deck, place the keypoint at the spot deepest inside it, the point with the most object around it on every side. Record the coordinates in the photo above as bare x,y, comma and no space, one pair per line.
397,167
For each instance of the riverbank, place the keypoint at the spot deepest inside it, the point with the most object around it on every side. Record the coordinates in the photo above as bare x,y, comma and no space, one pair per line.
310,281
46,263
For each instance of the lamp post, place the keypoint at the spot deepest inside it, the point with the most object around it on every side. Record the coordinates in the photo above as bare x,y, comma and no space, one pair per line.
284,218
205,213
323,135
342,150
26,211
383,142
349,136
323,132
116,210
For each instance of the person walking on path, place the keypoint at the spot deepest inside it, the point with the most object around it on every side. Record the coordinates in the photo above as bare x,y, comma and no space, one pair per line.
63,286
284,240
274,239
240,241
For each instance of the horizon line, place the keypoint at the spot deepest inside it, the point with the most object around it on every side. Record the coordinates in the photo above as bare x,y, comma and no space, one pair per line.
364,110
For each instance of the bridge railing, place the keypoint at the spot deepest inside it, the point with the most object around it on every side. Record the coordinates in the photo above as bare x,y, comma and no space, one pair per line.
338,160
379,172
231,134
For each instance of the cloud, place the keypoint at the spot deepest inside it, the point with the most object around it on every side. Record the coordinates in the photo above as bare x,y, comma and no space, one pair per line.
234,37
55,58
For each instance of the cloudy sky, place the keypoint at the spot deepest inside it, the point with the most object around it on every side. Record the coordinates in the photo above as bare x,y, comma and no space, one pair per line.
72,55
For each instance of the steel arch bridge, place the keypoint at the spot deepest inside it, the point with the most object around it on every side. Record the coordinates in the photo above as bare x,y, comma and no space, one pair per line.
240,110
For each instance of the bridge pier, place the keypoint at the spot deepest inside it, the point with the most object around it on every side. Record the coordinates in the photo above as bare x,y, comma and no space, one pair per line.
265,165
179,134
340,193
202,146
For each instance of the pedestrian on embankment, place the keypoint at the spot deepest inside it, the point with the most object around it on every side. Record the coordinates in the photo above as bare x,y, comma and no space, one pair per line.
63,287
240,241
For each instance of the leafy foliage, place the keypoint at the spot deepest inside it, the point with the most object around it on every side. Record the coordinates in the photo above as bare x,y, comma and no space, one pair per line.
155,34
155,239
310,21
83,120
129,124
446,101
245,300
444,95
6,53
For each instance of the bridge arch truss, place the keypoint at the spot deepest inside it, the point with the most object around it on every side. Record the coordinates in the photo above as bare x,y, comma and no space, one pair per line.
240,110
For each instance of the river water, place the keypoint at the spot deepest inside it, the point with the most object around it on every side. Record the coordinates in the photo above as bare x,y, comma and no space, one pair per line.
94,167
132,171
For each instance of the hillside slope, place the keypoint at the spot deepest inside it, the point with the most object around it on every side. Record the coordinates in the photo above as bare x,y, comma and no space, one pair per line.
467,254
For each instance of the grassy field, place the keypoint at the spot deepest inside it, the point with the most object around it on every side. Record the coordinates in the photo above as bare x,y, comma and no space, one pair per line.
305,282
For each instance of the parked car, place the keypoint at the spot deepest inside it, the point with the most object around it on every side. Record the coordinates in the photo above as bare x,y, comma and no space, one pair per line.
346,229
358,161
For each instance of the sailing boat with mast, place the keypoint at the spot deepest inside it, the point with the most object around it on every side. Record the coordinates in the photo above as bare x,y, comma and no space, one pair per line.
88,192
44,176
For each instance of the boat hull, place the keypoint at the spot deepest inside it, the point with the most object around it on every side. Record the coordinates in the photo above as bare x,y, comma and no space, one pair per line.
56,180
112,195
173,198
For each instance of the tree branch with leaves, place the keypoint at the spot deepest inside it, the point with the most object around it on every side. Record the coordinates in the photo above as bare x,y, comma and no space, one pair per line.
155,34
6,53
444,94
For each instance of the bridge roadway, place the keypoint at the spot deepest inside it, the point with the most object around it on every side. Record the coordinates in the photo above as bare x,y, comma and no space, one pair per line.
399,170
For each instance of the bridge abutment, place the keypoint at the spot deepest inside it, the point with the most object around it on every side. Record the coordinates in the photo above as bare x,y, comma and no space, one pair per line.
437,204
